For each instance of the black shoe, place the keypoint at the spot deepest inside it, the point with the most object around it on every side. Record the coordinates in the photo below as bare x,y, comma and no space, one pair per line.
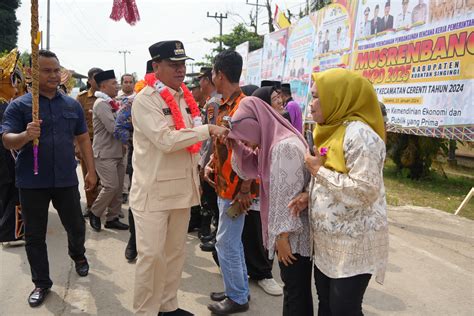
124,198
37,297
82,267
94,221
227,306
207,238
195,219
86,212
131,250
208,246
220,296
178,312
116,224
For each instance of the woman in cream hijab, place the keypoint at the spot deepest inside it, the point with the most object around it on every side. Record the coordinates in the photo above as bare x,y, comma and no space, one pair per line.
346,195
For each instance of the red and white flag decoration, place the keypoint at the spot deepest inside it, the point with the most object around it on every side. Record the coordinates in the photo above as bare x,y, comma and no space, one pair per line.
279,19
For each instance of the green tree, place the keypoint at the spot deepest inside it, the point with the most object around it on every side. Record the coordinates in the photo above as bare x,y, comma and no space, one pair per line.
9,24
415,154
25,59
316,5
239,35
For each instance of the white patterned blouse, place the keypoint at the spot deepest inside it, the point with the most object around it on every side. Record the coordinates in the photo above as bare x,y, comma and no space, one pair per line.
348,211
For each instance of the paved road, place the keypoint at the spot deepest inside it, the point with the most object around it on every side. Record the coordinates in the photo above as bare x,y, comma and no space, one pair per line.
430,272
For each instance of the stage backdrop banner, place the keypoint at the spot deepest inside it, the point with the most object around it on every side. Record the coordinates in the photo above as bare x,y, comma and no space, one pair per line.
254,67
274,52
299,56
419,56
243,50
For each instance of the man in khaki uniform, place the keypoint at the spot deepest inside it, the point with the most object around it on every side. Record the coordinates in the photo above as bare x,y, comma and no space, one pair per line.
165,182
86,99
108,154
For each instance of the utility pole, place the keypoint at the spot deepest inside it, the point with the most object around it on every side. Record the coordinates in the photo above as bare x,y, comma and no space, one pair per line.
48,22
124,52
219,20
256,5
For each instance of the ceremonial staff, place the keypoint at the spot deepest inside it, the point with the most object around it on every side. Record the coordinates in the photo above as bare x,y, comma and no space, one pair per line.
35,41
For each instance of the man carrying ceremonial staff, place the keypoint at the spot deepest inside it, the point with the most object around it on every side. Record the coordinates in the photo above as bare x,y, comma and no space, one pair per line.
165,183
61,123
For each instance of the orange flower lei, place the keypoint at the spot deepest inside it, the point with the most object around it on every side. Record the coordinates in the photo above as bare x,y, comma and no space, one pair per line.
176,112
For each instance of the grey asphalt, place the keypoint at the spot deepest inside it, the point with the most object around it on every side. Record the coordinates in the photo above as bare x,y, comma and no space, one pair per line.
430,272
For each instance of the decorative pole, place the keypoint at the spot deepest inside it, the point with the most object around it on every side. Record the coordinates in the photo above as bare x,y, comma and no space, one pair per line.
35,41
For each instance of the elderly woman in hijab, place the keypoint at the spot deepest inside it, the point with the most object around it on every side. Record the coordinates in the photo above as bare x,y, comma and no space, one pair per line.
272,97
267,147
347,195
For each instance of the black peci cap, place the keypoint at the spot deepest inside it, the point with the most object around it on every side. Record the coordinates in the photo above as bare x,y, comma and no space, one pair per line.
104,75
266,83
286,88
277,85
149,66
271,83
172,50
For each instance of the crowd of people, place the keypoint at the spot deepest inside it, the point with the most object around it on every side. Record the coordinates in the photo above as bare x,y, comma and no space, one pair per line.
228,161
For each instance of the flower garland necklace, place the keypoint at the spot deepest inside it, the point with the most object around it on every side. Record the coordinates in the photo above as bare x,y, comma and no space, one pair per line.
176,112
115,105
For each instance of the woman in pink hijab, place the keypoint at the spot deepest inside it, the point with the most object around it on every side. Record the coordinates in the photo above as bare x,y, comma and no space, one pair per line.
268,147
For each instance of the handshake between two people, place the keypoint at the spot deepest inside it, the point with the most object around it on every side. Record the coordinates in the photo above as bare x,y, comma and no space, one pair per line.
218,132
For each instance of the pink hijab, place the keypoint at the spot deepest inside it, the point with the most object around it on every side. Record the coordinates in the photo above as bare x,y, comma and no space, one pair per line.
257,122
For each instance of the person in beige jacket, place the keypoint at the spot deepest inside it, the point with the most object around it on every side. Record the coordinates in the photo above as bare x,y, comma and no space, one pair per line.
165,182
108,155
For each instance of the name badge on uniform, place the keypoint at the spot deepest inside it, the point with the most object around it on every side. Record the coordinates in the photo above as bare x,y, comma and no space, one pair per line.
167,111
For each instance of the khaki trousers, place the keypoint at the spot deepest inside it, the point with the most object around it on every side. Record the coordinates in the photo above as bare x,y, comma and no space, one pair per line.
111,172
161,237
90,195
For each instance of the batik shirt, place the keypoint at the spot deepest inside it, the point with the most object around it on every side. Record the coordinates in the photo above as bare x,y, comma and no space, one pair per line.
348,211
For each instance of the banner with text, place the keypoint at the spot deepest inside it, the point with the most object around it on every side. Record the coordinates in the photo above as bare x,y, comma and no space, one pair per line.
254,67
420,58
299,55
243,50
274,52
333,44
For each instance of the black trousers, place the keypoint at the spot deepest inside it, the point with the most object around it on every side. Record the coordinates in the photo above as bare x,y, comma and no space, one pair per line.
259,267
297,296
209,200
8,201
35,204
340,297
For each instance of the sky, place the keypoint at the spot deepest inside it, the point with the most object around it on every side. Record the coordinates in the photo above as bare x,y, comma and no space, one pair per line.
83,36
